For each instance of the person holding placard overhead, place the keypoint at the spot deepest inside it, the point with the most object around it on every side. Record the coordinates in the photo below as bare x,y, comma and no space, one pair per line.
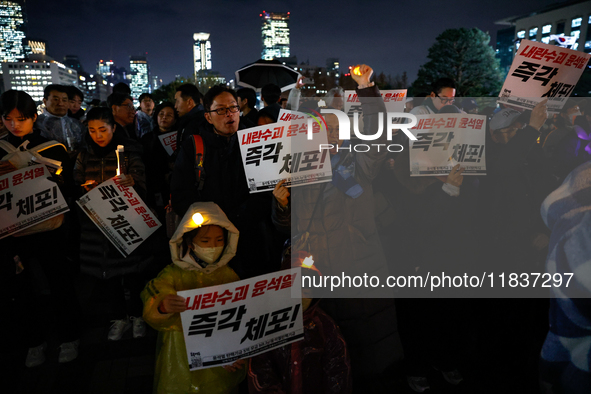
43,242
98,257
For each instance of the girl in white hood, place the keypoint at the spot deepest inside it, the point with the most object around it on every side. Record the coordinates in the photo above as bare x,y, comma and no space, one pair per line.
200,248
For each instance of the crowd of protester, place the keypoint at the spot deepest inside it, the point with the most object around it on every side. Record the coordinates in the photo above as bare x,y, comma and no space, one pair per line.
384,220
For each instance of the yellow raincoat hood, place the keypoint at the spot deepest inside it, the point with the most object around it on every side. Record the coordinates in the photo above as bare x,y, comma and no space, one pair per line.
212,214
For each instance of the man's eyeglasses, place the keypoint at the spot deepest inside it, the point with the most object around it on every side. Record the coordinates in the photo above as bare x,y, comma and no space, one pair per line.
129,107
445,101
223,111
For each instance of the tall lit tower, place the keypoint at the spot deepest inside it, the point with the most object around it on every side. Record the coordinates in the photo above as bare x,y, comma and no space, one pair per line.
201,52
140,82
12,31
104,68
275,35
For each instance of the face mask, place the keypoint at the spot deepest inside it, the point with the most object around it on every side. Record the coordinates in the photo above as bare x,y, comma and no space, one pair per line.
208,255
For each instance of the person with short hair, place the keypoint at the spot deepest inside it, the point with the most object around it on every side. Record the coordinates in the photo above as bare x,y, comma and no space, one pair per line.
146,103
191,113
123,111
54,122
270,94
224,182
76,98
443,92
247,100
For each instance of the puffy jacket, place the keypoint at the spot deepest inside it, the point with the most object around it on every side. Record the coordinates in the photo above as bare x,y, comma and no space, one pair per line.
98,257
317,365
172,374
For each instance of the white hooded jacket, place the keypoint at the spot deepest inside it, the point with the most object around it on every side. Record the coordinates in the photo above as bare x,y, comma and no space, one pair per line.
212,215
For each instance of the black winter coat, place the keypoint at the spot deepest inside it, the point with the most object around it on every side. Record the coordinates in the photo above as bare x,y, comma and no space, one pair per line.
98,257
259,249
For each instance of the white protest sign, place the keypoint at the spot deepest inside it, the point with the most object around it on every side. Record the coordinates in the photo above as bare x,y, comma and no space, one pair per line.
282,150
168,141
541,71
28,197
120,214
241,319
444,140
394,100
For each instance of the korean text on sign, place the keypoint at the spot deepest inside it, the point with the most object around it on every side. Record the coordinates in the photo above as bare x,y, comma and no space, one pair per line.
239,320
444,140
168,141
541,71
282,151
120,214
28,197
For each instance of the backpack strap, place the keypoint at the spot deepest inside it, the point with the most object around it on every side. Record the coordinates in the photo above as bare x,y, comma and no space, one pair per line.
199,157
47,145
7,146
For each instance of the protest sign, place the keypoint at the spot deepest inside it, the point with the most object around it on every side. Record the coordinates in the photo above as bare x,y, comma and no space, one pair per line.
241,319
168,141
282,150
28,197
120,214
444,140
393,99
541,71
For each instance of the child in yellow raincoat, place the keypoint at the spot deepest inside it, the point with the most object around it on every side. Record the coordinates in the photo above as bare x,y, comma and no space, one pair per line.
201,248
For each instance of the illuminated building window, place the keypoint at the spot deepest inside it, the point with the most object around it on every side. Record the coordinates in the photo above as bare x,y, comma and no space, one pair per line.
576,22
533,33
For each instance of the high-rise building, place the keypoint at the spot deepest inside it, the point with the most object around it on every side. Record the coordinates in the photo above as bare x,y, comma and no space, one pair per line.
201,52
275,35
105,69
73,62
93,87
33,77
156,83
12,31
140,82
37,47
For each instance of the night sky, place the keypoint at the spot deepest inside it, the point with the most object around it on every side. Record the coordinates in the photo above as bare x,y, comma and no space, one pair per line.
391,36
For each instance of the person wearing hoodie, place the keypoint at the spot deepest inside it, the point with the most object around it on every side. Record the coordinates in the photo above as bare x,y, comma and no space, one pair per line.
98,257
201,247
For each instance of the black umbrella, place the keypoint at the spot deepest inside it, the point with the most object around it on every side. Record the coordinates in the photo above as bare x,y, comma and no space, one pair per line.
262,72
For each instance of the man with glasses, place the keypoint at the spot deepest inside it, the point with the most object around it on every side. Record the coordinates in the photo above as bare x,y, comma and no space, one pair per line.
124,113
443,93
224,182
54,122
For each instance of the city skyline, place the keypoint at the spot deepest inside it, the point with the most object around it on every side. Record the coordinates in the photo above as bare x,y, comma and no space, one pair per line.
392,38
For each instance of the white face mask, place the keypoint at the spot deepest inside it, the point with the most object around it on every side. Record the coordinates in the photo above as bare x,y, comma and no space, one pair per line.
208,255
